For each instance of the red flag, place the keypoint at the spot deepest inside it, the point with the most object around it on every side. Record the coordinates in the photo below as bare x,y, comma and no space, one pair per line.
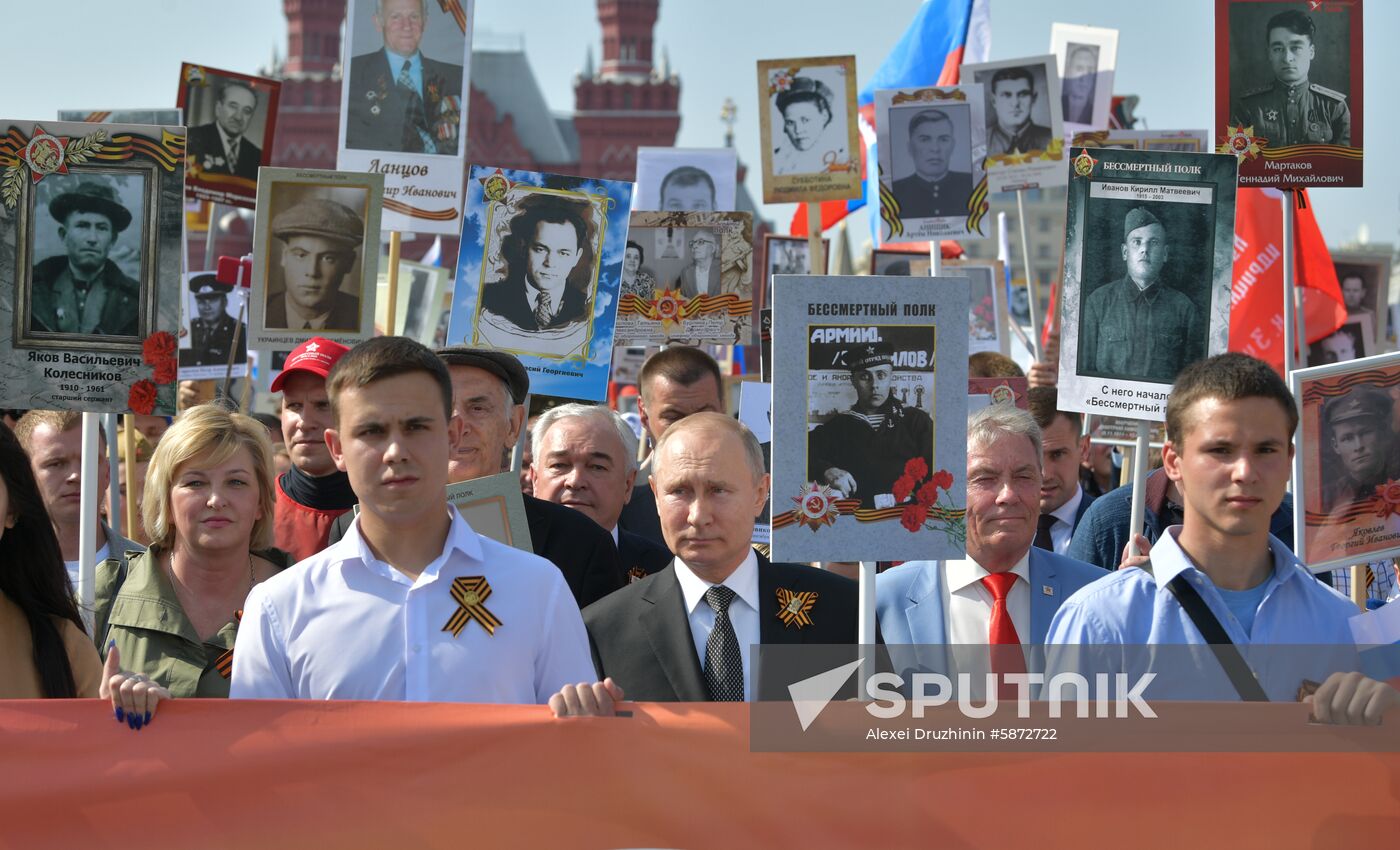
1256,298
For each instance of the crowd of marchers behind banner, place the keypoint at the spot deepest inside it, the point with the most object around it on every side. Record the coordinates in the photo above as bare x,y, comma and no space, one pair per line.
313,555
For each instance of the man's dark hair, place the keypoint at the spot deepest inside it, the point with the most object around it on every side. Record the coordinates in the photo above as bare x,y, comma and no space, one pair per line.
688,175
543,209
928,116
990,364
641,255
1008,74
681,364
1294,21
1045,406
236,84
1225,377
386,357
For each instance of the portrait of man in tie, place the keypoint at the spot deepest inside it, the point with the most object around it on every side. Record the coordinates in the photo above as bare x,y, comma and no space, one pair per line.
232,118
548,253
398,98
222,145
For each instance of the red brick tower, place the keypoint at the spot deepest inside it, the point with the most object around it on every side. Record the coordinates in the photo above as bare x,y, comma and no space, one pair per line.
308,117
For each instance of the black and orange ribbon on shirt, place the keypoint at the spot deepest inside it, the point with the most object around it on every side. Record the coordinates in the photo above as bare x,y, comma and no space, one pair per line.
471,592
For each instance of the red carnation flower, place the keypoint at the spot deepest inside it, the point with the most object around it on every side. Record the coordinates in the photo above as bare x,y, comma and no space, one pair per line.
928,494
157,347
916,468
942,479
903,486
142,397
913,517
165,371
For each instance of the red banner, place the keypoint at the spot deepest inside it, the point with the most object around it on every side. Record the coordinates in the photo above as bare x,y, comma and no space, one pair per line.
265,774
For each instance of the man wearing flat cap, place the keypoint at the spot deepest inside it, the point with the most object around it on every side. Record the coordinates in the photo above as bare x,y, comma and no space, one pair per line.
212,328
83,292
1138,327
319,240
862,451
1359,428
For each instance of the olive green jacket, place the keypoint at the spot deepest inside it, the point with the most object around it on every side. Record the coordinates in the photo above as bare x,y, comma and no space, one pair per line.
139,610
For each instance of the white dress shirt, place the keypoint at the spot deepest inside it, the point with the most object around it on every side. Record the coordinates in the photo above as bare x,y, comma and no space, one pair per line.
1062,531
743,611
344,625
969,603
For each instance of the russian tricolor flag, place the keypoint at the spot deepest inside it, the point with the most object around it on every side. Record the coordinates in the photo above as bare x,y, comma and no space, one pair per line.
943,36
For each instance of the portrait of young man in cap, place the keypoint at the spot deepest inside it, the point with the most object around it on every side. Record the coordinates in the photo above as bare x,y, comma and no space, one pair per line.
212,329
320,240
82,291
1139,327
1358,432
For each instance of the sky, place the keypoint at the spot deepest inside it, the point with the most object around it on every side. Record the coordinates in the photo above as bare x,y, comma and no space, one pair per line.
1165,56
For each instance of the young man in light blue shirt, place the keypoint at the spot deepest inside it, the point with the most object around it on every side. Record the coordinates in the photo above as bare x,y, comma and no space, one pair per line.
1229,423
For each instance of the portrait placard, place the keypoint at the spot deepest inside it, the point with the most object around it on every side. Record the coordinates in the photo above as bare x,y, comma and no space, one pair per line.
1024,132
686,179
807,123
687,278
538,274
932,144
987,328
1354,340
403,106
494,507
1085,57
1149,248
91,226
1346,471
781,255
870,429
1364,278
1288,85
418,300
1184,141
756,411
213,325
231,119
161,115
315,256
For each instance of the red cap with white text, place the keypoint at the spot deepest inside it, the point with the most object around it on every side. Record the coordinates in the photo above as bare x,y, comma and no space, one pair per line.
317,355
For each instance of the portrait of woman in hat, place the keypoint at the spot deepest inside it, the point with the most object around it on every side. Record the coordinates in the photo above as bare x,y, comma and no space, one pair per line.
78,288
814,126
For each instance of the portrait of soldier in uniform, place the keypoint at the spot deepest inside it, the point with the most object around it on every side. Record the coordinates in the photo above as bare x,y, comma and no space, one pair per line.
221,146
82,291
549,259
399,99
1138,327
1292,110
320,241
212,328
1011,128
861,452
934,189
1359,432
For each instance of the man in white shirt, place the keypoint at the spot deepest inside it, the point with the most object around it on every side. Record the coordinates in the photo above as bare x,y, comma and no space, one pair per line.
1062,500
411,604
584,456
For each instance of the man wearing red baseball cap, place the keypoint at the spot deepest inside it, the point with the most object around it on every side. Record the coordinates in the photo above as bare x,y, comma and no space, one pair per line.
312,493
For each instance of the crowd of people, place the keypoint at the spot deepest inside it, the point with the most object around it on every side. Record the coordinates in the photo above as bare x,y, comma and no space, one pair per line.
334,568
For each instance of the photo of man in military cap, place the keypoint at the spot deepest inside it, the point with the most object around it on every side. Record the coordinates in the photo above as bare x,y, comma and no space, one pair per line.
212,327
1359,432
82,291
861,452
1292,110
320,242
1139,327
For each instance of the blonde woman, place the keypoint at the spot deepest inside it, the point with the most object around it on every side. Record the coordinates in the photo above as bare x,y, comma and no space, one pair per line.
172,616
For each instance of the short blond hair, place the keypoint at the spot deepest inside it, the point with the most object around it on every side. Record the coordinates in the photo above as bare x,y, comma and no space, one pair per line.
213,431
58,420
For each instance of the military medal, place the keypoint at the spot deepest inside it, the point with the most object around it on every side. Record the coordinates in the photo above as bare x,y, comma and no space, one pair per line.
793,608
470,592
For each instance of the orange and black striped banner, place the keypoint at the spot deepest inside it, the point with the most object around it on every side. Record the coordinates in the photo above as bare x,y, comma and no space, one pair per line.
702,305
1299,151
851,507
414,212
1319,390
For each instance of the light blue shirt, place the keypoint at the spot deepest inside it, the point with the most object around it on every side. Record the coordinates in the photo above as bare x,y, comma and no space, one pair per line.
415,68
1299,628
1244,604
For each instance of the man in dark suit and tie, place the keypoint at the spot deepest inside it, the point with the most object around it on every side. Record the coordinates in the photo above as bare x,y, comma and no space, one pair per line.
1063,444
548,256
684,634
934,189
220,147
584,456
701,275
400,100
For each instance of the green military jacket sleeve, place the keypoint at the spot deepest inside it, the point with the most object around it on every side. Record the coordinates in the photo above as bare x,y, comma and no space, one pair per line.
141,613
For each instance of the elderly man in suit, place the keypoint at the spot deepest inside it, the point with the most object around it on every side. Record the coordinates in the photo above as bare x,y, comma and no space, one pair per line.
684,634
220,147
82,291
701,276
319,240
1005,592
400,100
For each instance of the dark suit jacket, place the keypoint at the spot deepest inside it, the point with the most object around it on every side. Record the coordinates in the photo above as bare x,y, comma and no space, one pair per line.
640,635
639,557
920,198
345,312
639,515
1084,504
577,545
379,109
121,313
204,142
690,288
508,299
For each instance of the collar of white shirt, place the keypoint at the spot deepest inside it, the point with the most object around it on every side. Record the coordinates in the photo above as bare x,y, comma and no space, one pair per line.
228,143
614,534
1065,513
743,581
967,571
460,538
533,290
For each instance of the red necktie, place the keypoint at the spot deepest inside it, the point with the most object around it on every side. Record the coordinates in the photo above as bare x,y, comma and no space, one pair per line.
1005,644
